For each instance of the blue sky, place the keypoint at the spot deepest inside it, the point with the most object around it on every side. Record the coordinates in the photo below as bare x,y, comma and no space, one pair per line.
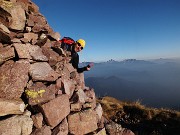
117,29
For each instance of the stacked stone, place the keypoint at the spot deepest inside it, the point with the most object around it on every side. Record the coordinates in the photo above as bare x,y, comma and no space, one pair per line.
40,91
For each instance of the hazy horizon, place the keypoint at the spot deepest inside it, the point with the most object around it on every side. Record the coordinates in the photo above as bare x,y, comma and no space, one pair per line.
149,59
155,83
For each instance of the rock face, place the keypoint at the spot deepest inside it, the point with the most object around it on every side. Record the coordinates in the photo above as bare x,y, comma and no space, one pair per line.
40,91
17,125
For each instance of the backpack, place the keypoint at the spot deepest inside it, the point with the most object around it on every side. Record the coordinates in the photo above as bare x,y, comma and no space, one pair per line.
66,42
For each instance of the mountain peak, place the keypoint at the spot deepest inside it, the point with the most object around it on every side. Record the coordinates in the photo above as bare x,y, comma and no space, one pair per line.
111,61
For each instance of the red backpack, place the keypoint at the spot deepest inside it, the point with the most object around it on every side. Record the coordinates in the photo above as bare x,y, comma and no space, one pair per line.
66,43
67,40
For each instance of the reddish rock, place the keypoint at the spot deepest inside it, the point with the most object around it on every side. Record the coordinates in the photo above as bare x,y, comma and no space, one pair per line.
38,19
59,83
52,56
22,50
13,79
30,23
11,107
24,4
16,40
43,28
101,123
82,122
4,28
32,37
13,0
18,18
6,53
37,120
45,130
4,37
16,125
23,1
99,111
56,110
16,15
36,53
54,36
24,40
1,45
68,87
79,96
90,95
4,15
59,68
33,7
41,71
61,129
70,67
75,107
39,93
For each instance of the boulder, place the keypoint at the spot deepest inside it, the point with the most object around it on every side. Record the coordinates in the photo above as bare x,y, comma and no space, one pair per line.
41,71
61,129
56,110
37,120
16,14
6,53
16,125
45,130
38,93
13,78
82,122
11,107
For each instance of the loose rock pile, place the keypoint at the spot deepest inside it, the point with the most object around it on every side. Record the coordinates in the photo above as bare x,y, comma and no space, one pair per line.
40,91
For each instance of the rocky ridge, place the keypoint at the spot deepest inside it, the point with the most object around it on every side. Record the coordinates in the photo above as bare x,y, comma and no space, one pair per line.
40,91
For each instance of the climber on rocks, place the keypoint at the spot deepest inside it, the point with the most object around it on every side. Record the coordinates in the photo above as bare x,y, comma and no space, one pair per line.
74,47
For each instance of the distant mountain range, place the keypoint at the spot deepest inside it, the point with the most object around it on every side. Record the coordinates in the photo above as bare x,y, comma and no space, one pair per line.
154,82
135,61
